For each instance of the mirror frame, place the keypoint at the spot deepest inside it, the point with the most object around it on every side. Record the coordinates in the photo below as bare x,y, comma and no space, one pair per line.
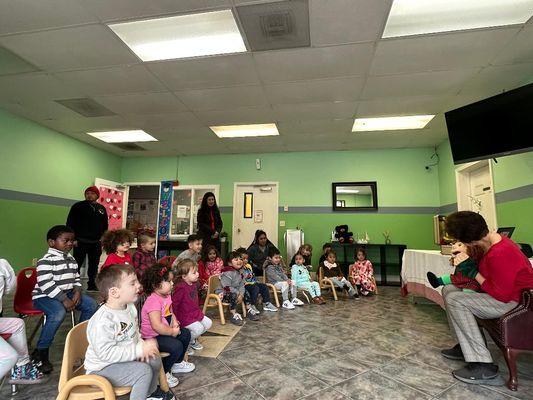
373,187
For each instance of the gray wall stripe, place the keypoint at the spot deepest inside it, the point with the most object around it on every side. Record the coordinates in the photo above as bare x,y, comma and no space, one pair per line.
35,198
520,193
448,208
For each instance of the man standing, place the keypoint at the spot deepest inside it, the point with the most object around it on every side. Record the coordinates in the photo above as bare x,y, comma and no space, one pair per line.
88,219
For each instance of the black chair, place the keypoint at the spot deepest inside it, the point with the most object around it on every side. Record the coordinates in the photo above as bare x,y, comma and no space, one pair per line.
526,249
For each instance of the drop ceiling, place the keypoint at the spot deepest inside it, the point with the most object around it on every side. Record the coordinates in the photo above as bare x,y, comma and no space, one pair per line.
63,49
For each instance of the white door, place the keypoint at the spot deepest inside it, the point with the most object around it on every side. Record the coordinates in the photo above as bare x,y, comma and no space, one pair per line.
475,191
255,206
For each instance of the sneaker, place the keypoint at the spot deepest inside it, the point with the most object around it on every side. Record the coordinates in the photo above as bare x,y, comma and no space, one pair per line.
40,356
196,345
322,301
172,380
169,395
455,353
256,311
253,317
27,374
288,305
356,296
270,307
297,302
182,367
158,394
236,319
190,351
316,300
477,373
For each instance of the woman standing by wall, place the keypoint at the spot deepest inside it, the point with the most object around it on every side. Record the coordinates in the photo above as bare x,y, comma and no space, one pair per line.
209,221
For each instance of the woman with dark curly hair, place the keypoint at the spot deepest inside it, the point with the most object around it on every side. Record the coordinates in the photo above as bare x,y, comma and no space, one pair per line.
116,244
209,221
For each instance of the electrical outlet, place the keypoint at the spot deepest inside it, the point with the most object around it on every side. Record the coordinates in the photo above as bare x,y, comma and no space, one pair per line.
281,223
285,208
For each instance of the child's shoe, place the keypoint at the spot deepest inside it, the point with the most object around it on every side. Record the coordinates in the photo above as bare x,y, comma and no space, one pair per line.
196,345
172,380
169,395
356,296
322,301
27,374
40,356
297,302
288,305
236,319
158,394
253,316
270,307
317,300
256,311
182,367
190,351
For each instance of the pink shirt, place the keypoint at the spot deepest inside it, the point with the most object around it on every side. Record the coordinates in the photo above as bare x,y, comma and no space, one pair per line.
154,302
114,258
185,304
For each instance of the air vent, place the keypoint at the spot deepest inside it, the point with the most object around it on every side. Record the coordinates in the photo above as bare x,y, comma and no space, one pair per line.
278,25
86,107
129,146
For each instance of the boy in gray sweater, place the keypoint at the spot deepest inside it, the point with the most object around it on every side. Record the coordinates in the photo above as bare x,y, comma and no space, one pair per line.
276,275
116,350
231,289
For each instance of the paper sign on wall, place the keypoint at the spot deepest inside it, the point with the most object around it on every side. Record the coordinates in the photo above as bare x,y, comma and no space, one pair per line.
181,211
258,216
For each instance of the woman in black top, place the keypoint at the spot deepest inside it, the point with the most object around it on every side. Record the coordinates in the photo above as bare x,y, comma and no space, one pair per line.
209,221
258,251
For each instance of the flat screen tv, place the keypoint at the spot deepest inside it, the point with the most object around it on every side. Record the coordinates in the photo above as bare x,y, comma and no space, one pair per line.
498,126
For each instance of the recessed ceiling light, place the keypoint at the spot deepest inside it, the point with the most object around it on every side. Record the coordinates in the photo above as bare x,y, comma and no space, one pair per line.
123,136
233,131
391,123
182,36
416,17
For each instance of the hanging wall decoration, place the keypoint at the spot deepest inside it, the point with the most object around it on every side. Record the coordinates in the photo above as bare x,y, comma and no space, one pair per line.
111,198
165,208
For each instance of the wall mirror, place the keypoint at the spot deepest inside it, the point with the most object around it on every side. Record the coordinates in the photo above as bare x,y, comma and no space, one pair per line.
355,196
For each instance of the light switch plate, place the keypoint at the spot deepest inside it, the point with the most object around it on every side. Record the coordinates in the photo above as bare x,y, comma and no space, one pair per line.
281,223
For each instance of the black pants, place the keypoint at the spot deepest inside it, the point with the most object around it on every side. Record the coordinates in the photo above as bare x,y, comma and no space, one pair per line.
256,290
93,251
176,346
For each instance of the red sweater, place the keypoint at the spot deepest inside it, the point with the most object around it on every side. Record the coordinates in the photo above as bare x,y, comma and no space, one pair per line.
506,271
185,304
114,258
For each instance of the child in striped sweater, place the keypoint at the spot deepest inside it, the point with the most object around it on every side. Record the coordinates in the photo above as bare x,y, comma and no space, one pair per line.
58,290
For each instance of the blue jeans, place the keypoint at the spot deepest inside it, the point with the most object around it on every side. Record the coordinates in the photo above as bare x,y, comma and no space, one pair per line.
176,346
55,312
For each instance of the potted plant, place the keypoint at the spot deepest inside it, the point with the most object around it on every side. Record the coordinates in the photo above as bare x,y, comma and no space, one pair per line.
223,236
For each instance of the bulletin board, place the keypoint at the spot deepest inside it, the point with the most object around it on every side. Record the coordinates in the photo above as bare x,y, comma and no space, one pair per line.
112,199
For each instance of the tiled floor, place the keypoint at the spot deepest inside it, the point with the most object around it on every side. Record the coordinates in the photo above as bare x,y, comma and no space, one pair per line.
375,348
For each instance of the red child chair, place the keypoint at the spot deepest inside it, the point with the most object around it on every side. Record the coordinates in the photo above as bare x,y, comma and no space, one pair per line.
22,303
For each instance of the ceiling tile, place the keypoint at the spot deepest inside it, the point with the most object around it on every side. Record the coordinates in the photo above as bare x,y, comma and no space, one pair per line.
237,116
38,110
347,21
418,84
153,121
116,80
27,15
82,125
207,72
12,64
311,63
494,80
222,98
438,52
519,50
79,47
346,89
130,9
307,111
320,126
35,87
415,105
142,103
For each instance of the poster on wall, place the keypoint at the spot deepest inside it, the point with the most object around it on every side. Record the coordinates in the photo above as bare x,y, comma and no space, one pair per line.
165,208
111,198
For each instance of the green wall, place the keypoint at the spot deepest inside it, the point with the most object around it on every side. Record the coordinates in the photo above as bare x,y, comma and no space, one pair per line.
37,160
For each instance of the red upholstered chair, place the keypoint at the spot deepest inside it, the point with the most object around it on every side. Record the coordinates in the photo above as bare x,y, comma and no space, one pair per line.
22,303
512,333
167,261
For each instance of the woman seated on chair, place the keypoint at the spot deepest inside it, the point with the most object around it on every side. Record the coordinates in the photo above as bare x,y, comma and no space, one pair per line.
258,251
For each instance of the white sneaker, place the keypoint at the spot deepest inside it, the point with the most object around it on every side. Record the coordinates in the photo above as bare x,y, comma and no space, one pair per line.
288,305
270,307
297,302
182,367
256,311
196,345
172,380
190,351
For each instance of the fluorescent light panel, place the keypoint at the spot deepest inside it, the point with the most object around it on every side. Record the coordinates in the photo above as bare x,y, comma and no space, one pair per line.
123,136
234,131
391,123
416,17
182,36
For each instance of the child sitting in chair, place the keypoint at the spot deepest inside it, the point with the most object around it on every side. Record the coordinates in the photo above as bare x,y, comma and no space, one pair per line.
301,277
276,275
116,244
332,271
231,289
209,265
467,257
116,350
362,273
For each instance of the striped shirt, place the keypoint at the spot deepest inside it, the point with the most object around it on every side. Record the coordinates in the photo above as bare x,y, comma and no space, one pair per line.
57,272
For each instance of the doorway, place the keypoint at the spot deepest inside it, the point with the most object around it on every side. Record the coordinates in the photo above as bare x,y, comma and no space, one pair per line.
142,207
475,190
255,206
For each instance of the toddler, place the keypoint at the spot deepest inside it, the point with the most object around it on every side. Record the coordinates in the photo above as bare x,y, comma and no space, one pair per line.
362,273
116,350
254,288
185,302
231,289
302,279
116,244
193,252
210,264
275,274
305,250
58,290
331,270
144,257
159,322
325,250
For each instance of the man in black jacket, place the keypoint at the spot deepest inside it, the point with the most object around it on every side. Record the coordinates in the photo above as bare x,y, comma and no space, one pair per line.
88,219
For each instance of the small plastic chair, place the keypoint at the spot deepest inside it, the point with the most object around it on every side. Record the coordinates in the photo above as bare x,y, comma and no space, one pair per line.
214,282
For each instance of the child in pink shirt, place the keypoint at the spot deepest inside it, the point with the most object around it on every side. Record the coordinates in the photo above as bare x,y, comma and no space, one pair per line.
116,244
159,322
185,302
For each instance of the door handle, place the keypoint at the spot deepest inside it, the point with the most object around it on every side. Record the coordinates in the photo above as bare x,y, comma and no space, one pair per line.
238,230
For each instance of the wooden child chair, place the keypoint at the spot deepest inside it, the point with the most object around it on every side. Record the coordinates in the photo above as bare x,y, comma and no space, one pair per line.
272,288
214,282
326,283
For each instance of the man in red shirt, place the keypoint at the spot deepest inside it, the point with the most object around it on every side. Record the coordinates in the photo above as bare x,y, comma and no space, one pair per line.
503,272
